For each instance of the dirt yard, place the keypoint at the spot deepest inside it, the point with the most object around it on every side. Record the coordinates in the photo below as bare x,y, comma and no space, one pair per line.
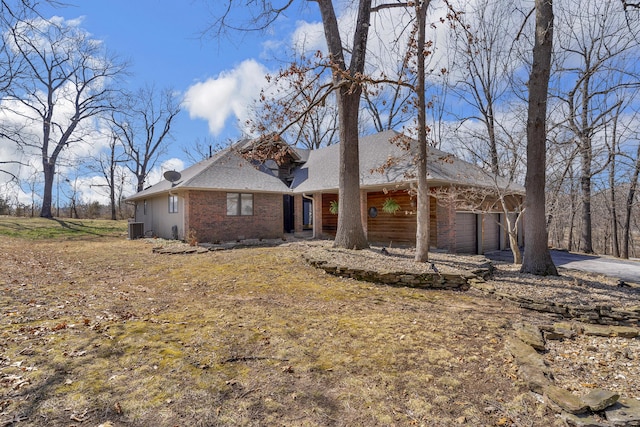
100,331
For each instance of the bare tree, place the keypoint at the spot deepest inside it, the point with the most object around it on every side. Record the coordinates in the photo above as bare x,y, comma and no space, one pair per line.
67,80
10,66
408,89
204,148
484,80
561,192
596,61
347,79
491,130
109,164
629,203
537,259
299,104
423,216
144,128
387,104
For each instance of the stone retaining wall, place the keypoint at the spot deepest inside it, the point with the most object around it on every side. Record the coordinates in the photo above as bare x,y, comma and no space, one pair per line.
597,314
525,345
450,281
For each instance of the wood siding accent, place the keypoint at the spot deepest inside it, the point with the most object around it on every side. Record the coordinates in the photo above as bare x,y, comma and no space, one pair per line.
400,227
329,220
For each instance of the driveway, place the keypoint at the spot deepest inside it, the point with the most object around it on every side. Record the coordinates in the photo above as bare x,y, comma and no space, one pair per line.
626,270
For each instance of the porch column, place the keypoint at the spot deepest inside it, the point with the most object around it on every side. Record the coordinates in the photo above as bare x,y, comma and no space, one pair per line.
501,232
317,216
297,213
363,211
479,234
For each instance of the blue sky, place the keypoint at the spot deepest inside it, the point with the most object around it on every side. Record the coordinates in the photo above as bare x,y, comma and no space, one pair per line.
165,44
217,78
163,39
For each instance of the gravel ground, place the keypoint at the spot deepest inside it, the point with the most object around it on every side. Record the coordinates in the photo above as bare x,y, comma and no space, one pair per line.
586,362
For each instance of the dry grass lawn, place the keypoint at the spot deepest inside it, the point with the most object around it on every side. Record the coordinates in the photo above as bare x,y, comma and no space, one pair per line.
96,329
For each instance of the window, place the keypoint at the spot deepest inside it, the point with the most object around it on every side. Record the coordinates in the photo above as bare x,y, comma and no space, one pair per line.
173,204
239,204
144,207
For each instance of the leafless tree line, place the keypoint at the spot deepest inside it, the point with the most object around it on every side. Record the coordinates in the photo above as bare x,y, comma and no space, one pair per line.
61,91
588,141
476,81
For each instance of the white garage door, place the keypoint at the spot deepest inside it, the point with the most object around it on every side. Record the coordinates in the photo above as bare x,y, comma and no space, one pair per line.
491,233
466,233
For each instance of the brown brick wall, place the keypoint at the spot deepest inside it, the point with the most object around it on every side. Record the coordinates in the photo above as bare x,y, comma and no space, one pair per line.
207,215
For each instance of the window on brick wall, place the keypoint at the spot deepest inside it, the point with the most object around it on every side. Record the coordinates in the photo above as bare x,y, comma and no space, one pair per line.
239,204
173,204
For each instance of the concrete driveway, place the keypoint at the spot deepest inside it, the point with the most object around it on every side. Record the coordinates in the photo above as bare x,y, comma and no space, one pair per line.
626,270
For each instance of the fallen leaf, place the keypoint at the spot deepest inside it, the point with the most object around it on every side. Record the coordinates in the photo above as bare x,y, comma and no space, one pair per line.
59,326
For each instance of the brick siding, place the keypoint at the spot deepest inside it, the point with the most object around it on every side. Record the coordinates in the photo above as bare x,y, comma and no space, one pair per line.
206,215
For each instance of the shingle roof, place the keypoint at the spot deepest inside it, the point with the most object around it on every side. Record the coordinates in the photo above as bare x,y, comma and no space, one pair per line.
382,163
226,170
320,172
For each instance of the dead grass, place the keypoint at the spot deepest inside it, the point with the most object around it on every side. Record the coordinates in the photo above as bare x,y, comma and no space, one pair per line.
103,330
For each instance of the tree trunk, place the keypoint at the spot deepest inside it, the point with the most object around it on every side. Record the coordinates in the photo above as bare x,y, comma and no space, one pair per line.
112,180
112,199
350,233
572,227
515,249
629,207
585,187
537,259
422,217
512,233
615,244
49,170
493,145
140,178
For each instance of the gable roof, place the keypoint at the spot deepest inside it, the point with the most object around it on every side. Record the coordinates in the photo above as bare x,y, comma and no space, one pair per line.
384,163
226,171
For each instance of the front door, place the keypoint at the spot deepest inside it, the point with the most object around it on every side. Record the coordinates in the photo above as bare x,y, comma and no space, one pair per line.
287,208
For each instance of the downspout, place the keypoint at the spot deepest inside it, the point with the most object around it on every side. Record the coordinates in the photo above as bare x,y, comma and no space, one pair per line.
176,235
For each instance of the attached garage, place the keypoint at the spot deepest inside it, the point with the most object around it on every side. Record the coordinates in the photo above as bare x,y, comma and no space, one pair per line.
490,232
466,233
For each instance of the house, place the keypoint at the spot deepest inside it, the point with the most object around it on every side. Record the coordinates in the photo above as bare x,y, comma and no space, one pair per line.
263,188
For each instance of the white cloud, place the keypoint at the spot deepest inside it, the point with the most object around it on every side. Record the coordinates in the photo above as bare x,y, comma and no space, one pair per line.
229,94
156,175
309,37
